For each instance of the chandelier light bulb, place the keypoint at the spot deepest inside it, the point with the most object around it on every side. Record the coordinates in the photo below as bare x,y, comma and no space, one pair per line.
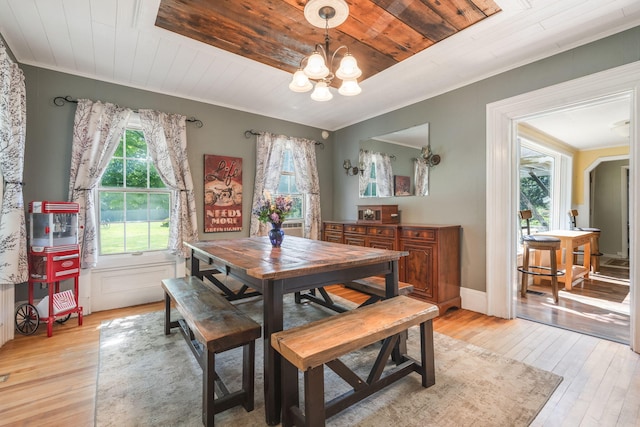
348,68
349,87
300,82
316,68
321,93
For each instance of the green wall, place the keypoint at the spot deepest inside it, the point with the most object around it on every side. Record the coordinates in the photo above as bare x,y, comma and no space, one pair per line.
49,136
458,133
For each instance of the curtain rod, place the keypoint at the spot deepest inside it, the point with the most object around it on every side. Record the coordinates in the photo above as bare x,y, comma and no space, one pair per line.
249,133
59,101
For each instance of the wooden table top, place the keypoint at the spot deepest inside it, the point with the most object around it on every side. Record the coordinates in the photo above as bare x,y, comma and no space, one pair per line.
297,256
565,233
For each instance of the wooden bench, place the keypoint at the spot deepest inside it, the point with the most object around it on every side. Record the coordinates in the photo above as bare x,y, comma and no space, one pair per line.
309,347
211,325
375,287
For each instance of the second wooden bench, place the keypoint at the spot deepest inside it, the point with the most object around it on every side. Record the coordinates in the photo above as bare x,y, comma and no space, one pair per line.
375,287
212,325
309,347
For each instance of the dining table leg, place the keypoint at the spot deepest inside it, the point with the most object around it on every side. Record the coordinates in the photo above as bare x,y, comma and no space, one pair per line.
273,322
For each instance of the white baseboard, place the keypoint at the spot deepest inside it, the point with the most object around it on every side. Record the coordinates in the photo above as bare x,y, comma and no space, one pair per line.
474,300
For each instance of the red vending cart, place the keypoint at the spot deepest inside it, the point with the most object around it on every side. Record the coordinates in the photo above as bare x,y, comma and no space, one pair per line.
54,256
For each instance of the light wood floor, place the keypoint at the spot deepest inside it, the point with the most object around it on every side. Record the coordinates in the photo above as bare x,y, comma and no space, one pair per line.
52,381
597,306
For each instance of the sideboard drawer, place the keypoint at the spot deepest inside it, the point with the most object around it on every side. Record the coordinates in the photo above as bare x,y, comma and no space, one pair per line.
355,229
333,227
418,233
382,231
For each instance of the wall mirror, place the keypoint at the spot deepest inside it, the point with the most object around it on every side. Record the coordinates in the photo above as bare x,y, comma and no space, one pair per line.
402,147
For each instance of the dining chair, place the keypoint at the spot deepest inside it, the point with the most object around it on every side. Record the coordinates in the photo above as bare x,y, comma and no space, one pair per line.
540,243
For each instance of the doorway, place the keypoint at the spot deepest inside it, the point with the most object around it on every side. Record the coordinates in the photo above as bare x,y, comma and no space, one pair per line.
548,142
502,193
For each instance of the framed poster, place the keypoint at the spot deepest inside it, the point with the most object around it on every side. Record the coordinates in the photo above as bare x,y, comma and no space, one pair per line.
222,193
401,185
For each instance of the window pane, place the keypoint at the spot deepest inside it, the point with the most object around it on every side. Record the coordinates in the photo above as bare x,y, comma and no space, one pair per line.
159,207
111,206
136,174
296,209
113,176
120,149
536,172
137,236
136,145
159,234
154,178
136,208
287,165
111,232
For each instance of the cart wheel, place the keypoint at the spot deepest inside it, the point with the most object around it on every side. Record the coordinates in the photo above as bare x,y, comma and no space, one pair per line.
63,319
27,319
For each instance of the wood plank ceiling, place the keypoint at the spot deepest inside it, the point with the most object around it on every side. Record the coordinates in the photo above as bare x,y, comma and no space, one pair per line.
379,33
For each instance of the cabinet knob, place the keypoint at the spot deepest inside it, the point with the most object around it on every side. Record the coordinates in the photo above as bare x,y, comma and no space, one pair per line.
416,234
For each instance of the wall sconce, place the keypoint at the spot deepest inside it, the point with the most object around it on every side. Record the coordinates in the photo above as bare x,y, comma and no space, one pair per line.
429,158
353,170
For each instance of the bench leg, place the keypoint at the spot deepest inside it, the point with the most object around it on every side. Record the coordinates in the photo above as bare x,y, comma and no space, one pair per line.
248,372
427,354
314,411
167,314
290,393
208,387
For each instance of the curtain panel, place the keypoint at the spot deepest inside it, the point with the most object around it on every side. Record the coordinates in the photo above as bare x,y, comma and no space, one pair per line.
384,173
13,119
421,177
14,268
166,137
269,162
97,130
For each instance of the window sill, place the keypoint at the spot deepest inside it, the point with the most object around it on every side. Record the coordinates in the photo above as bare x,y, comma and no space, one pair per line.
109,262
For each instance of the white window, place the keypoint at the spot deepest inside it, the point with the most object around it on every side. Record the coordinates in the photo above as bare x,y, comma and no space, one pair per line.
134,204
545,185
287,186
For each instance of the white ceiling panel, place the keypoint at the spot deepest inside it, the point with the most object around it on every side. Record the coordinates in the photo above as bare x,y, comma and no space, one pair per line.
116,41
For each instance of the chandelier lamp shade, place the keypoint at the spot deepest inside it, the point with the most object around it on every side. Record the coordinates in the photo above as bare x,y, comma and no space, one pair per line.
316,71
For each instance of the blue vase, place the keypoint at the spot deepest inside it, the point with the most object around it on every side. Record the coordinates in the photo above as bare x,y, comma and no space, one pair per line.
276,235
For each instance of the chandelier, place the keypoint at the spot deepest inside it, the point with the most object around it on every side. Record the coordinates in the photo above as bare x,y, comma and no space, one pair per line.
319,65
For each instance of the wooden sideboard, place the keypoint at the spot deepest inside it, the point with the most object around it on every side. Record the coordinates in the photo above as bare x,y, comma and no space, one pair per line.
433,263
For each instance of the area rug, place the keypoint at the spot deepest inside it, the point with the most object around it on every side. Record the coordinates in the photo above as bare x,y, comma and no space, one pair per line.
149,379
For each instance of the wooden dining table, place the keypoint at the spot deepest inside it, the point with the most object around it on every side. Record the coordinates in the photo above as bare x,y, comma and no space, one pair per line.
570,239
299,264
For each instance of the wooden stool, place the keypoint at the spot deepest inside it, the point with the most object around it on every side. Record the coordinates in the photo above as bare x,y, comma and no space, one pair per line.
594,241
541,243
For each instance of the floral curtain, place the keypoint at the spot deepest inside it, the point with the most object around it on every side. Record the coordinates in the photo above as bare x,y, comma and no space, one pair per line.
166,138
306,169
384,173
421,177
13,119
97,130
269,160
365,158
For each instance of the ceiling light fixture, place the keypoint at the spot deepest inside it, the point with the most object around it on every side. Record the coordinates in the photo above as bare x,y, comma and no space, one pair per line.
319,65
